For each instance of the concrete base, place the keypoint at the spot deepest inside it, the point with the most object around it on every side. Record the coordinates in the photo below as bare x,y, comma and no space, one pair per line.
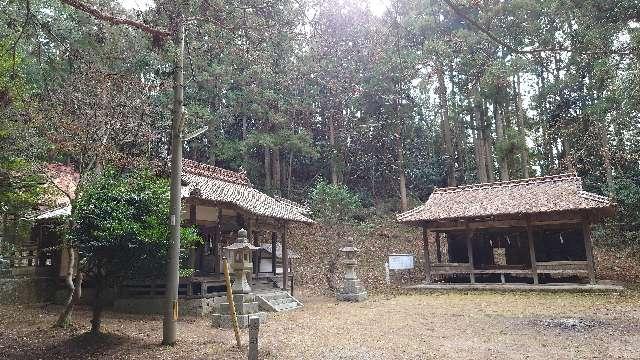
194,307
26,290
224,321
351,291
521,287
352,297
245,305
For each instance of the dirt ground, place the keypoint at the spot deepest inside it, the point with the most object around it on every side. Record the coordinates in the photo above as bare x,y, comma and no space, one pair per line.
476,325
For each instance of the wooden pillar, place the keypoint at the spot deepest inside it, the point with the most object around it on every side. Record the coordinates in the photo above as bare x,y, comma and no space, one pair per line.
285,257
258,258
532,253
274,245
438,248
291,267
217,238
427,260
468,237
588,247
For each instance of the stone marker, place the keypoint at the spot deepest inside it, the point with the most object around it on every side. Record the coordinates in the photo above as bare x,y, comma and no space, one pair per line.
351,289
254,329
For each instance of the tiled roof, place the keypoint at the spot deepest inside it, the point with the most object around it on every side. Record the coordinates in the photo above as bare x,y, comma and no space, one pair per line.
224,186
546,194
63,181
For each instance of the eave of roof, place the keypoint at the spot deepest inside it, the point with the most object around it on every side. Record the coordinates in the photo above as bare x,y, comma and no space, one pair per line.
549,194
210,183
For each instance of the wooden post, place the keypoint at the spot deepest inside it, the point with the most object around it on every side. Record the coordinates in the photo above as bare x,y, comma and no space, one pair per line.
217,238
232,305
588,247
257,259
532,253
274,245
292,272
469,235
427,261
285,257
438,248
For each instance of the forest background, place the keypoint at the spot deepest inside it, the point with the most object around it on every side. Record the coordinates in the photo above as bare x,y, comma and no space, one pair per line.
384,104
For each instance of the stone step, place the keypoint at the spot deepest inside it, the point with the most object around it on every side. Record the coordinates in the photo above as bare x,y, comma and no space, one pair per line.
287,306
277,301
273,296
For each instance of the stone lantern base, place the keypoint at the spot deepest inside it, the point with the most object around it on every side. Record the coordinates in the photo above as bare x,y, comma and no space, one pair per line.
351,291
246,305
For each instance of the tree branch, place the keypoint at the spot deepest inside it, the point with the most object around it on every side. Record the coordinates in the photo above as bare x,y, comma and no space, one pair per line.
79,5
512,49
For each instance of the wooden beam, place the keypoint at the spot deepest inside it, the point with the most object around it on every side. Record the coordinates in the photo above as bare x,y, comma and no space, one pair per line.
427,261
532,254
487,224
472,276
438,248
285,257
588,247
217,238
274,243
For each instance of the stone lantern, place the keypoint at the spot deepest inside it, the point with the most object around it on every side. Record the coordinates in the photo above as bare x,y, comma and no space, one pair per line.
243,299
351,289
242,262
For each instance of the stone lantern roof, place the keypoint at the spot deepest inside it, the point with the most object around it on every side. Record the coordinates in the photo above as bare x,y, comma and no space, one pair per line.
242,243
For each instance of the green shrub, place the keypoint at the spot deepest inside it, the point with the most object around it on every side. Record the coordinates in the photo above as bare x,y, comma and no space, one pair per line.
623,230
333,203
120,226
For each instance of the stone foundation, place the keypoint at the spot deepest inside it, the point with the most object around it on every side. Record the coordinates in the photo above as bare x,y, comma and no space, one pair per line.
26,290
192,307
246,305
351,291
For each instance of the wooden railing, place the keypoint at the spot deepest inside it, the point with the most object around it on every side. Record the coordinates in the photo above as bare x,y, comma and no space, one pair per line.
547,267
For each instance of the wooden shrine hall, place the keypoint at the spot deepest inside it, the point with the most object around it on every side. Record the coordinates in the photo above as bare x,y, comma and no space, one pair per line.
535,230
220,202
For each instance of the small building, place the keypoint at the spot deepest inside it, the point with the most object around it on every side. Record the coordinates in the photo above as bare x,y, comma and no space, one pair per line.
218,202
267,259
534,230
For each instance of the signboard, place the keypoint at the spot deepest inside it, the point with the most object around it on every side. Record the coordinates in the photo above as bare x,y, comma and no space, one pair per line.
400,261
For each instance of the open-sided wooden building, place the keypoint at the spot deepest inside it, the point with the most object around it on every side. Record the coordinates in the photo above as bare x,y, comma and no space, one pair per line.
220,202
537,229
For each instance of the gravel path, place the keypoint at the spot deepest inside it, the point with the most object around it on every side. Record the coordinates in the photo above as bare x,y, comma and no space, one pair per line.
426,326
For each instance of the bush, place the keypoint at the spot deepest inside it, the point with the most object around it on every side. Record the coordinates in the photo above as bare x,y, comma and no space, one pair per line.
623,231
121,229
333,203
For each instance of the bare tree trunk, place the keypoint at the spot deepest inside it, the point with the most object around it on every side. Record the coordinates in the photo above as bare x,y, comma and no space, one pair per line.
500,138
606,153
245,156
401,175
478,142
63,319
98,306
524,152
446,127
267,169
276,169
333,156
290,174
74,297
487,144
